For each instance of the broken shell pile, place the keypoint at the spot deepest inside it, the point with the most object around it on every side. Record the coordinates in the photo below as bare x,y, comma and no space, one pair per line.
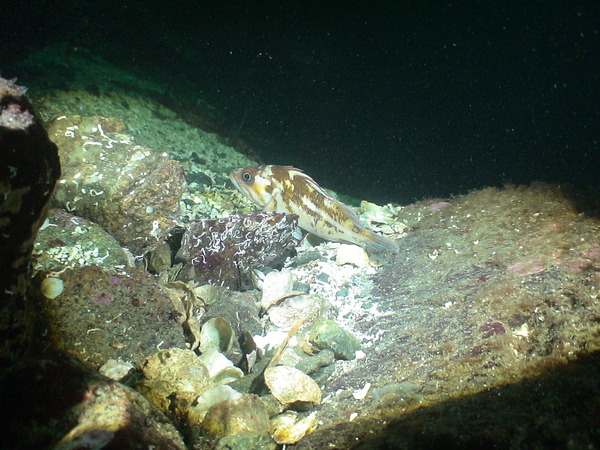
210,396
194,391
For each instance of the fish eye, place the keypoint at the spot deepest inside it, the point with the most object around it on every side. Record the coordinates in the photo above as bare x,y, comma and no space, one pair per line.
246,177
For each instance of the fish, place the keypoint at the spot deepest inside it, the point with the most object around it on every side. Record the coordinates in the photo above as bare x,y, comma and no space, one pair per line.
289,190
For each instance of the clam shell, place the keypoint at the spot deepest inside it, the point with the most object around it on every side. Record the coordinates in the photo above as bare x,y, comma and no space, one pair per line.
227,375
52,287
216,333
215,361
220,368
235,416
352,254
206,401
289,311
276,286
292,387
287,429
116,369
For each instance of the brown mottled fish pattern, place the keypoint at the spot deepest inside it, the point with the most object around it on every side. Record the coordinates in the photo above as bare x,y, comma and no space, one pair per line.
289,190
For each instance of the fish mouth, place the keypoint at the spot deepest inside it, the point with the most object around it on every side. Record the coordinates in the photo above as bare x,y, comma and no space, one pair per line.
232,177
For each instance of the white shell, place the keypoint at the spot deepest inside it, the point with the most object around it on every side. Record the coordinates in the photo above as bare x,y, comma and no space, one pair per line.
352,254
289,385
276,286
216,333
215,361
289,311
52,287
382,219
287,429
376,213
209,398
220,368
227,375
115,369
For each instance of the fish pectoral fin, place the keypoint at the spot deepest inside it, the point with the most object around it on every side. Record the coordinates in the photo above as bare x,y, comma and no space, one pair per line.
271,205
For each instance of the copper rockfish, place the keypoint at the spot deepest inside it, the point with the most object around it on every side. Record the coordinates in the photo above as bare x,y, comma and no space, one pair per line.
289,190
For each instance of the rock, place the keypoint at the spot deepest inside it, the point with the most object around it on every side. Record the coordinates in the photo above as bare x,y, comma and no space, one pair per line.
67,240
328,334
29,169
224,251
114,415
173,380
234,416
132,191
104,314
306,257
240,309
295,357
46,394
55,398
246,441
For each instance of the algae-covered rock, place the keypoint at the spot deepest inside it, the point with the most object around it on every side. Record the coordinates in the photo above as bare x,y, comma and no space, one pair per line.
243,415
132,191
246,441
29,169
55,402
173,380
224,251
296,357
66,240
328,334
111,314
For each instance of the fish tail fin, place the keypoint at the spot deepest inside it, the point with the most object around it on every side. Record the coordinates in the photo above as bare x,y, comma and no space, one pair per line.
379,244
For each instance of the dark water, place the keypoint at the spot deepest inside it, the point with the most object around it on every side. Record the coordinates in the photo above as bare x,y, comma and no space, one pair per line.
391,101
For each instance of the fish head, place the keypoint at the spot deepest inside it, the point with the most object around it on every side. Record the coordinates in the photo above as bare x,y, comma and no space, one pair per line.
254,183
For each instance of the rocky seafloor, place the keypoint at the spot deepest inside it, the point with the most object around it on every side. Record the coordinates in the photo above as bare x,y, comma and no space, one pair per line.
483,330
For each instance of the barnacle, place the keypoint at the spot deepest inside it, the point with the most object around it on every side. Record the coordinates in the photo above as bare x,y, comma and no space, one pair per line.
224,251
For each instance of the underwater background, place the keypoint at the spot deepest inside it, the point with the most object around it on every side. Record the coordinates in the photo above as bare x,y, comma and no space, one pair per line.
389,101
